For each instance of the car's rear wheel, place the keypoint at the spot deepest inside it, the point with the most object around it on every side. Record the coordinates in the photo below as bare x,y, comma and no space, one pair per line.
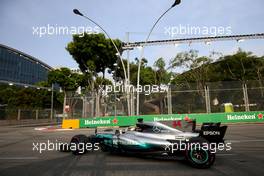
77,144
104,148
200,155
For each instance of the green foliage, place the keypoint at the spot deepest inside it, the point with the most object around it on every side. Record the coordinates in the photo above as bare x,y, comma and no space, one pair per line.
27,98
93,52
240,66
43,84
160,64
100,81
5,93
147,74
197,68
189,60
66,79
161,74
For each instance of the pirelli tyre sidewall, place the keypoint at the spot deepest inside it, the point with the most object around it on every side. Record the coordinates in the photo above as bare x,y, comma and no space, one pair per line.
76,140
199,157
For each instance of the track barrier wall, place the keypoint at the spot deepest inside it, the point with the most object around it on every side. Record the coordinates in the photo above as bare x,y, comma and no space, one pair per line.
235,117
71,123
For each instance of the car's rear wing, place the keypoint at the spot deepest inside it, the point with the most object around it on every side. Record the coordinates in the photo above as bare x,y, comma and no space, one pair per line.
213,132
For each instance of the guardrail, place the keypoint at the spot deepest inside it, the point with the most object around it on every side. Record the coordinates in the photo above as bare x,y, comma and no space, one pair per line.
234,117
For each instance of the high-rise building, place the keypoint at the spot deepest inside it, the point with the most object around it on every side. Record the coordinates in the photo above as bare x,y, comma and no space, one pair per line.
16,66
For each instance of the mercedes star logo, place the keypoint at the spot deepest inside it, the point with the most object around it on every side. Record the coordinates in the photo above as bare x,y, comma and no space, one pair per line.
156,129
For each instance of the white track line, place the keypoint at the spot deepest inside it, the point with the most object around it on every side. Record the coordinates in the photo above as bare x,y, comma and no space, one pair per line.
225,154
51,129
18,158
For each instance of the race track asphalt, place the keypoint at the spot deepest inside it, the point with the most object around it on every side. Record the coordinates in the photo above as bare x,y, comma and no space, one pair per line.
18,158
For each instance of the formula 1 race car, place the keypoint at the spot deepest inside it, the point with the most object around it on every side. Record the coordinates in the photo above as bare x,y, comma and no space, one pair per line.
155,138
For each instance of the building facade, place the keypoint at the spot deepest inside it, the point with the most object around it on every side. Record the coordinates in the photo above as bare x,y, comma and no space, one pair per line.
16,66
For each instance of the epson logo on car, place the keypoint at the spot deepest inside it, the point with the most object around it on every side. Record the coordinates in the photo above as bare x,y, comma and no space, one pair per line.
211,133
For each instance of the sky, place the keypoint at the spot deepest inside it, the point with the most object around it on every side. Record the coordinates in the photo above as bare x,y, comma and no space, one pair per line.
21,21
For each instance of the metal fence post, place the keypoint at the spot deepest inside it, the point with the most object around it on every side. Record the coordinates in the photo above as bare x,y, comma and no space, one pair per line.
115,105
37,114
246,100
84,106
207,99
169,100
52,101
132,103
92,105
18,114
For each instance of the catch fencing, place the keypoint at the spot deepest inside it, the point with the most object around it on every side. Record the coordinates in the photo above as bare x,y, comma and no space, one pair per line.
183,98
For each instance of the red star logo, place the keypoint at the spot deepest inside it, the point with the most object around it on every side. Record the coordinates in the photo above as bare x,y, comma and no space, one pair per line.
176,123
260,116
115,121
186,118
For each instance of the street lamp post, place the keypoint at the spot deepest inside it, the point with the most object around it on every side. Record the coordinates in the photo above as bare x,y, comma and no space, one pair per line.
116,66
142,50
77,12
128,95
52,102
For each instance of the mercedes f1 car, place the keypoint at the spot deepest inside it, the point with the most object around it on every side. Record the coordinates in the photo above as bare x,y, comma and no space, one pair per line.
155,138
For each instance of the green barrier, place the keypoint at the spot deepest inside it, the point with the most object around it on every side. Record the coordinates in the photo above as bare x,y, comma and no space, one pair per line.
255,116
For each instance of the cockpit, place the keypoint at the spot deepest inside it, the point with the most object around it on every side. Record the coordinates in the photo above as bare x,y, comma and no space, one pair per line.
154,127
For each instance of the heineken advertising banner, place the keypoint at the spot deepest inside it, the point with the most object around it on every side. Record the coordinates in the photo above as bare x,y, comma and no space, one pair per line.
255,116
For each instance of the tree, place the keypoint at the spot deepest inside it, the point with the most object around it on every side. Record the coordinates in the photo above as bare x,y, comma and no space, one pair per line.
100,82
156,75
161,74
161,77
93,52
241,66
160,64
198,68
69,82
30,99
147,74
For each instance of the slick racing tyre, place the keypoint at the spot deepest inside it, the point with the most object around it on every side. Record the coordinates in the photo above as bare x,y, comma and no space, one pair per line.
199,157
78,143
